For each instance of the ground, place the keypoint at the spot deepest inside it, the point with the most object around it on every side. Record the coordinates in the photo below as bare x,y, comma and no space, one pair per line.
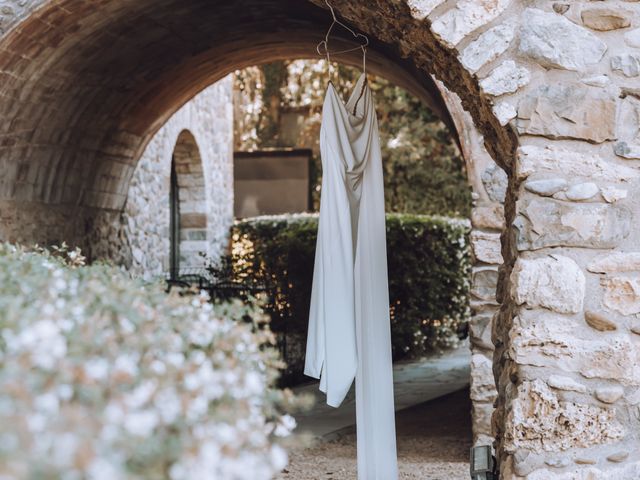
434,439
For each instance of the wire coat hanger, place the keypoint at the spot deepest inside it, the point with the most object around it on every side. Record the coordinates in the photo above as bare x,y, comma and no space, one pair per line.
325,43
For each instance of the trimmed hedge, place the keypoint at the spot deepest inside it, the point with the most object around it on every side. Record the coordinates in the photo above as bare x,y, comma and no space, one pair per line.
429,270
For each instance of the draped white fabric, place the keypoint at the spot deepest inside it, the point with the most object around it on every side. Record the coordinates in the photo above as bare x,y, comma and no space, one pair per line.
349,326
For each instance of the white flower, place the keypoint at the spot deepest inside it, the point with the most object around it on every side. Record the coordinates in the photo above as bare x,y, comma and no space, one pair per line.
102,469
286,426
36,422
140,395
254,383
178,472
197,408
114,413
141,423
175,359
45,342
126,364
279,458
127,326
96,368
64,449
158,367
198,357
47,403
168,404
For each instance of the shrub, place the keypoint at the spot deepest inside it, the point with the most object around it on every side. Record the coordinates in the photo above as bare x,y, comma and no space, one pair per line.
429,267
104,377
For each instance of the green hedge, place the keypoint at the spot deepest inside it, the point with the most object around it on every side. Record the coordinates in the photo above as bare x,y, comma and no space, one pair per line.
429,269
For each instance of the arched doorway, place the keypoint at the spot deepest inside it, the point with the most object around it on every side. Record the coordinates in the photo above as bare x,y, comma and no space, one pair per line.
188,216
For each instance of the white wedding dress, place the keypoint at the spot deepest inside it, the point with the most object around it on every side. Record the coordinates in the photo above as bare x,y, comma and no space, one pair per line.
349,326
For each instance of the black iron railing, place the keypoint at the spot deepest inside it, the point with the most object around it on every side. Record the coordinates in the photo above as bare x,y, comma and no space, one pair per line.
219,285
222,284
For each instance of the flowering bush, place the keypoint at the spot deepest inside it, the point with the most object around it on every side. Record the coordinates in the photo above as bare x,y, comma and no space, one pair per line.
104,377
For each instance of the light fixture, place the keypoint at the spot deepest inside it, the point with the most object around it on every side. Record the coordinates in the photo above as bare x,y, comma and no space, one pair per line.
483,463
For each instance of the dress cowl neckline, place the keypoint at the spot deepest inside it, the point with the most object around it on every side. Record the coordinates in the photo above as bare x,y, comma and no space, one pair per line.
358,97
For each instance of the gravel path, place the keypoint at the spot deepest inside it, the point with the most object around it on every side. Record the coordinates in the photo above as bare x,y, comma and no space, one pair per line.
433,444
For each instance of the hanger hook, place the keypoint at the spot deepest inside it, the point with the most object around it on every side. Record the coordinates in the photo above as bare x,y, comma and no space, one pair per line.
325,43
333,14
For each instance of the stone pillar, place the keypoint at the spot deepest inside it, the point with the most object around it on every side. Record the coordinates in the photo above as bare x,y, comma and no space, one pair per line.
565,77
567,353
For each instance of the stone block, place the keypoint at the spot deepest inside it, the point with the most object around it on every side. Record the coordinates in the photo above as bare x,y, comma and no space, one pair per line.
554,41
504,112
605,19
622,294
549,223
546,187
482,387
597,81
609,394
465,17
420,9
488,216
532,159
506,78
615,262
568,111
487,47
484,282
626,472
544,339
193,220
632,38
539,422
626,150
599,321
480,331
555,282
628,121
627,63
495,182
582,191
613,194
486,247
481,422
560,382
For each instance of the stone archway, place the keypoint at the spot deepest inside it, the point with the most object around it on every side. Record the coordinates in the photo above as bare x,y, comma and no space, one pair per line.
551,88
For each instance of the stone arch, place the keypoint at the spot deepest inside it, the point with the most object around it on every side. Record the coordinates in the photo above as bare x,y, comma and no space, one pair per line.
139,89
85,86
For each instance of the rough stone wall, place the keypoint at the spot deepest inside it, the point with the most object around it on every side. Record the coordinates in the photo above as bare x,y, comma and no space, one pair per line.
208,120
567,356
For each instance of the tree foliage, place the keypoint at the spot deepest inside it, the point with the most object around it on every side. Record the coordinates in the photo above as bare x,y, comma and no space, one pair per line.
424,171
